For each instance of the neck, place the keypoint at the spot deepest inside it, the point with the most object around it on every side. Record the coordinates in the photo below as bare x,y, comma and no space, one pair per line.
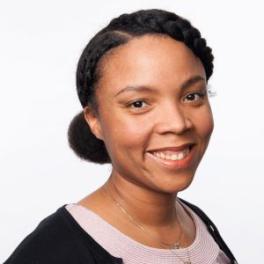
149,207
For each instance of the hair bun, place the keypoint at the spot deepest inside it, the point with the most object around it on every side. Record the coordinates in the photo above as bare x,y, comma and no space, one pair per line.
84,143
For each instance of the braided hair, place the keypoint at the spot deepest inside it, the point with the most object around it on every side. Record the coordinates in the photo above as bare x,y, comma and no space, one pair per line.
119,31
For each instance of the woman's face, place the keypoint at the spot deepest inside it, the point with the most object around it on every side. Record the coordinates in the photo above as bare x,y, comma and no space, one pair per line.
153,95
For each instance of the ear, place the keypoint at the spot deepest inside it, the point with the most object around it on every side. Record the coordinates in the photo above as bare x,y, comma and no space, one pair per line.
93,122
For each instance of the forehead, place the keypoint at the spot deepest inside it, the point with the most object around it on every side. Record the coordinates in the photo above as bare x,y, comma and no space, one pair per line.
150,60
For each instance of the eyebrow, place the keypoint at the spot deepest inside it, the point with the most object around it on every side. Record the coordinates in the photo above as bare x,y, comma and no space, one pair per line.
183,86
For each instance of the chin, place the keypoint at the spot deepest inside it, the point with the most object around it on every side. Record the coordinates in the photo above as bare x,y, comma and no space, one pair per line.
174,183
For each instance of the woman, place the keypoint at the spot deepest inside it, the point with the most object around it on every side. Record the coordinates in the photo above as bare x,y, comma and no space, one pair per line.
142,82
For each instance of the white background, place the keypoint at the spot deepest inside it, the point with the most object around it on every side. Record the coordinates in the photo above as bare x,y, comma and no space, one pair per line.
40,43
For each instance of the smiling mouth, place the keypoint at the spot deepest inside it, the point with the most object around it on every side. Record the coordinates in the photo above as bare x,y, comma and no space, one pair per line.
172,155
172,159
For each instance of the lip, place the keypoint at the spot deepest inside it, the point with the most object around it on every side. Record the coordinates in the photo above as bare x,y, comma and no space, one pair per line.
175,164
173,148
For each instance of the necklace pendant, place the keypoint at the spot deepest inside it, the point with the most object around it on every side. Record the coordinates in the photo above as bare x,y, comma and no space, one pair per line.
176,245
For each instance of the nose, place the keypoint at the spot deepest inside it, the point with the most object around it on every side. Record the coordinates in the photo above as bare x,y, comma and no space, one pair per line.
173,119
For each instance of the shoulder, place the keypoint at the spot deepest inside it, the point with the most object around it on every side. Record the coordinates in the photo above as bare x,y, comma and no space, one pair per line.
212,229
52,241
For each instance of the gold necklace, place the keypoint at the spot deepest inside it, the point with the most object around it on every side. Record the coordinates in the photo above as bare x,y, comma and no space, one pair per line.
140,226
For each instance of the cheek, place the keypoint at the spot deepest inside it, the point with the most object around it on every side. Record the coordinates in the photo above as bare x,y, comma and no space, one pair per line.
205,123
125,134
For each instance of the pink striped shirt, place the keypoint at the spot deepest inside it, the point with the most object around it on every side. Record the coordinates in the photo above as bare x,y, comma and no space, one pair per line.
203,250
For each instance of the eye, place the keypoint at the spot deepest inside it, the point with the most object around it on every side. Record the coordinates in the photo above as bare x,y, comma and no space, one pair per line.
194,97
137,104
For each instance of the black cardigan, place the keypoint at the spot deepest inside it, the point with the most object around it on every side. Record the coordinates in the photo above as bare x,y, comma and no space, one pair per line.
59,239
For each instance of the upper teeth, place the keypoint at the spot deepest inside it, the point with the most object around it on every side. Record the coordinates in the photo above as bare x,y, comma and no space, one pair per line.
172,155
